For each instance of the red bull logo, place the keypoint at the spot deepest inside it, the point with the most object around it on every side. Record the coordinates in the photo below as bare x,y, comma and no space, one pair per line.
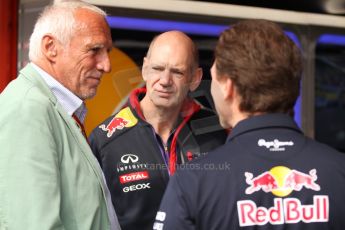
264,181
124,118
115,124
297,180
281,181
284,211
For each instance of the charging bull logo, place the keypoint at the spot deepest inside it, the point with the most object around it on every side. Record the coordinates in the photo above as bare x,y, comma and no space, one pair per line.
297,180
123,119
114,124
281,181
264,181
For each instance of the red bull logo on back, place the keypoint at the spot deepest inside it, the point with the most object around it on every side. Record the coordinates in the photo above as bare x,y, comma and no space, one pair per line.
264,181
296,180
281,181
284,211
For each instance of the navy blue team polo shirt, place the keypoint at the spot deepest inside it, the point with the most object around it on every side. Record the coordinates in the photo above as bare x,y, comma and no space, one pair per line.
268,175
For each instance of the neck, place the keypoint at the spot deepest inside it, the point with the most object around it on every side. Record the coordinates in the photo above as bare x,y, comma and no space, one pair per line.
239,116
162,119
47,67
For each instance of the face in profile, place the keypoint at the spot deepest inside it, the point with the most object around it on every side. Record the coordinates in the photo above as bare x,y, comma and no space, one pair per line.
85,58
218,98
168,72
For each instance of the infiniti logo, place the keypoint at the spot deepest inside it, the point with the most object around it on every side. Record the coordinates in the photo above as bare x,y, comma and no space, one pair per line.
129,158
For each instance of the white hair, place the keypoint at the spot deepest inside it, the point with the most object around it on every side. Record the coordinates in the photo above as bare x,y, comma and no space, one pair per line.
57,20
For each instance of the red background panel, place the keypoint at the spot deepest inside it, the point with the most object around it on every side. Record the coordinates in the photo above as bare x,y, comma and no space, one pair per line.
8,41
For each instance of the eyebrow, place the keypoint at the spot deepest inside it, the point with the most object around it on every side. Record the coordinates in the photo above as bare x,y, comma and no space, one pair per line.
178,69
156,64
100,45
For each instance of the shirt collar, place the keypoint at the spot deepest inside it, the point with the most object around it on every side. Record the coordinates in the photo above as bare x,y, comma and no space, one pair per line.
263,121
68,100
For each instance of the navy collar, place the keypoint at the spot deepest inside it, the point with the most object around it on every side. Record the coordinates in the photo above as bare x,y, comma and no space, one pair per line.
263,121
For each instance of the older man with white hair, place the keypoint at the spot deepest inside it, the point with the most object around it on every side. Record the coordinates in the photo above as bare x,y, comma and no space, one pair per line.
49,178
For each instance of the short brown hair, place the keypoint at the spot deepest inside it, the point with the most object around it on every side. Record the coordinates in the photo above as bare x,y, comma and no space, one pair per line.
264,64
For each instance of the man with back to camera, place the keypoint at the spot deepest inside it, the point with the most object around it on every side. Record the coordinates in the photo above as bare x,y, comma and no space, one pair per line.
277,178
49,178
161,127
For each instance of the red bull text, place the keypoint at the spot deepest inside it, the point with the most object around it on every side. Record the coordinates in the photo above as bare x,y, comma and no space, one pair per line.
284,211
281,181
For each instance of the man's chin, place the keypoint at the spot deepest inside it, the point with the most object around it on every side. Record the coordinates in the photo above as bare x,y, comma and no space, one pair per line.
165,105
88,95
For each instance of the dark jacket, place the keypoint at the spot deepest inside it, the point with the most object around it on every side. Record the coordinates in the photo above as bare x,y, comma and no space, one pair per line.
134,162
268,176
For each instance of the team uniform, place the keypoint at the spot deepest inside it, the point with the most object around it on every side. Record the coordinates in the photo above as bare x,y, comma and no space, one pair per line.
136,163
268,175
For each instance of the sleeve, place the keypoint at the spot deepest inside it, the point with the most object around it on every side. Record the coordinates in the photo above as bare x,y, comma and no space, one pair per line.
174,209
30,194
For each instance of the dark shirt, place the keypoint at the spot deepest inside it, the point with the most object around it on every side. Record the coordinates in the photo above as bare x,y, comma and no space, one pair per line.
132,157
268,175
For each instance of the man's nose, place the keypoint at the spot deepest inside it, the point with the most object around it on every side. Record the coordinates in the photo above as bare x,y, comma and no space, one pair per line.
165,77
104,63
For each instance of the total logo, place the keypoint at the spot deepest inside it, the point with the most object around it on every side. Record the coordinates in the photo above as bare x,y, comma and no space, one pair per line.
281,181
130,177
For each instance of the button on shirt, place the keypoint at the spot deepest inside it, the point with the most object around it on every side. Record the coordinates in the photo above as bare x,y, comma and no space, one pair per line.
74,105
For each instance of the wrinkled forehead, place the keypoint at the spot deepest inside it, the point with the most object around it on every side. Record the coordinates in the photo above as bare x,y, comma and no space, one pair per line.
171,54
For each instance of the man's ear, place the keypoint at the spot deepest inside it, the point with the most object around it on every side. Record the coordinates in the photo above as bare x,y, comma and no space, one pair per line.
227,87
144,68
49,47
196,79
